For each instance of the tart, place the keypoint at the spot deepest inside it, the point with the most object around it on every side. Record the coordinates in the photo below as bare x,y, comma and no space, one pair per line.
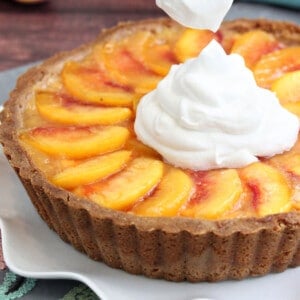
67,130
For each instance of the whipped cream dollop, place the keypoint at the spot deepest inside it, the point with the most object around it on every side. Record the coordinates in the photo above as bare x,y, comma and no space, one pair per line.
200,14
209,113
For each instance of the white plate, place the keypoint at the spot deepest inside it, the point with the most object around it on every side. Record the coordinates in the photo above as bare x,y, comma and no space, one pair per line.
31,249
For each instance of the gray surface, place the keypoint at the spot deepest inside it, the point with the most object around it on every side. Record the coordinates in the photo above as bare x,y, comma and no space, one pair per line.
8,80
54,289
241,10
287,3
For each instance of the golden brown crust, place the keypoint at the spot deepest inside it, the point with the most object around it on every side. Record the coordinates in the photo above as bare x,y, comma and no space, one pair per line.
285,32
172,248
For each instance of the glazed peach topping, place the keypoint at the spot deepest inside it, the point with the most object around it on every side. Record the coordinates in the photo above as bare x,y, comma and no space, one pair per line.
79,131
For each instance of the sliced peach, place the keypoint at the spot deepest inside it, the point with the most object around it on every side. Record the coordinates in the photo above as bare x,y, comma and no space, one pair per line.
134,43
293,164
290,162
243,207
271,192
253,45
227,40
140,149
217,192
296,204
124,68
62,109
124,189
171,193
275,64
76,142
287,89
92,170
90,84
158,56
191,42
151,49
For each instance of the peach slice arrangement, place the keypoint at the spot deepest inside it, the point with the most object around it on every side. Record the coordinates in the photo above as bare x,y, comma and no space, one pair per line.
87,129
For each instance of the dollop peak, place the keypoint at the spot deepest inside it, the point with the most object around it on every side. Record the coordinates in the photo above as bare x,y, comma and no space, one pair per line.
199,14
208,113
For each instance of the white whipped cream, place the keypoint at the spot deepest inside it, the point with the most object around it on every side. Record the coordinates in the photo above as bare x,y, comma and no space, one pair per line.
209,113
200,14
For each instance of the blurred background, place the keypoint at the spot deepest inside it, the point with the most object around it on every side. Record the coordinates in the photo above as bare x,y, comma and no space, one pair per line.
31,32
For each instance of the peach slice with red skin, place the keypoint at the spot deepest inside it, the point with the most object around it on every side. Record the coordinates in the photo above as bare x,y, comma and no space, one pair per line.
122,66
191,42
271,192
171,193
139,149
217,192
158,57
63,109
275,64
92,170
296,204
287,89
253,45
76,142
227,40
152,50
91,84
123,190
288,162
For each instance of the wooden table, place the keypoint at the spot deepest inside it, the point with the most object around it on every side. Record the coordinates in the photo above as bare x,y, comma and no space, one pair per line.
34,32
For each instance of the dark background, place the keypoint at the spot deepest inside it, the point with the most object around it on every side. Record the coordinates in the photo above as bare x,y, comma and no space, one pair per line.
33,32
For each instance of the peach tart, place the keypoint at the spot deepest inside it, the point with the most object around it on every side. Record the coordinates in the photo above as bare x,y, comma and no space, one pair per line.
67,130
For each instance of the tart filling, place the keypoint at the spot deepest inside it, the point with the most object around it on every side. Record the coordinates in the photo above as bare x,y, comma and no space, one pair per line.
83,122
